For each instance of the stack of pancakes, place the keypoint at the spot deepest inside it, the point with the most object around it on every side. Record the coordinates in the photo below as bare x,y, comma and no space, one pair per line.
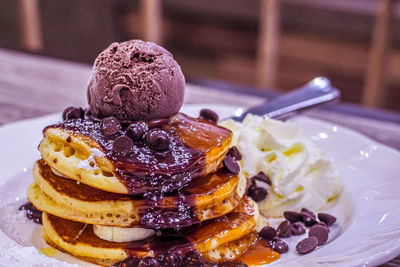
92,211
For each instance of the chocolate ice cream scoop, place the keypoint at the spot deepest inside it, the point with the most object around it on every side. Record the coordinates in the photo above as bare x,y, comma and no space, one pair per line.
135,80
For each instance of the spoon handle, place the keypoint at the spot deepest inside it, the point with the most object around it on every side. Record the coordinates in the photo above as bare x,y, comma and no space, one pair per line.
316,92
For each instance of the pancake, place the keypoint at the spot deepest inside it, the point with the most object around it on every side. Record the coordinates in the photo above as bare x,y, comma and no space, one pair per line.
79,151
223,238
230,251
215,195
227,252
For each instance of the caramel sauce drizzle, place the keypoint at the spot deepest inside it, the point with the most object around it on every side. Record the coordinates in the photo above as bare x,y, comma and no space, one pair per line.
258,254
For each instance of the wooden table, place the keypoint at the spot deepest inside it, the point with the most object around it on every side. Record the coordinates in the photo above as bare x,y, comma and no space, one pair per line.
32,86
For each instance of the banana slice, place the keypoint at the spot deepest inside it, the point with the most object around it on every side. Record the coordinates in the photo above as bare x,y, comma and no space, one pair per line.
57,173
119,234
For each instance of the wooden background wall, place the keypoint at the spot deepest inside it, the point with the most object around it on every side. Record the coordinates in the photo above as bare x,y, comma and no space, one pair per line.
218,39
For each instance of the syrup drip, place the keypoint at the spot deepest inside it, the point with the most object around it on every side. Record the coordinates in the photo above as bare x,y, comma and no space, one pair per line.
259,253
154,174
195,236
171,211
178,210
146,170
156,214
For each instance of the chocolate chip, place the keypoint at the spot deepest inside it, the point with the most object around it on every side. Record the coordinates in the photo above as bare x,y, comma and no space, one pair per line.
298,228
257,193
164,260
261,177
231,165
68,139
193,258
308,220
320,232
64,114
326,218
308,212
148,262
267,233
158,139
292,216
122,146
307,245
278,245
235,153
324,225
73,113
284,229
32,212
137,131
308,217
209,115
169,259
110,126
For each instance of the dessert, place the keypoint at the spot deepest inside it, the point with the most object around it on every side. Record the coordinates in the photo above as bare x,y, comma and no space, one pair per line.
135,81
130,178
130,181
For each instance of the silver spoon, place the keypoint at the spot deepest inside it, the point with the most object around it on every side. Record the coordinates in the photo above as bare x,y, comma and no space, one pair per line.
316,92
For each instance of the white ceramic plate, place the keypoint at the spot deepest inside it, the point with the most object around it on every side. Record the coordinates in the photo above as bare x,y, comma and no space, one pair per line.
368,228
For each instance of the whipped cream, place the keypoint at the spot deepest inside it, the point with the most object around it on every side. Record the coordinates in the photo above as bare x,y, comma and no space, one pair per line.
300,172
